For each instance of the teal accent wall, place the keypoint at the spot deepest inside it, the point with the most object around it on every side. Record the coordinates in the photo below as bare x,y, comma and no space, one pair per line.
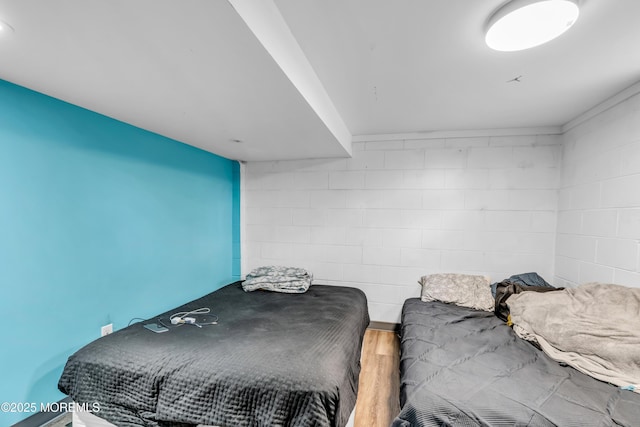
100,222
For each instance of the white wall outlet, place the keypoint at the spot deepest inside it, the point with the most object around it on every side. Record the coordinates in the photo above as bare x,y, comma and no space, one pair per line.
106,329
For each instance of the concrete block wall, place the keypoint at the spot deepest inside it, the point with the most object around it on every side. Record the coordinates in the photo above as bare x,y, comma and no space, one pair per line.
599,200
398,210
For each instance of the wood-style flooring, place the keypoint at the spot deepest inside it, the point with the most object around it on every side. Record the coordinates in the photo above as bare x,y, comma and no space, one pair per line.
378,393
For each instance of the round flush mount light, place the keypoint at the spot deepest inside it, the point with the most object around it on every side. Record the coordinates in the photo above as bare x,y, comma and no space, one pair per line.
6,30
522,24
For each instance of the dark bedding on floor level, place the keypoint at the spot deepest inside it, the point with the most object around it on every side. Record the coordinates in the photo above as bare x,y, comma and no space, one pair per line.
272,360
463,367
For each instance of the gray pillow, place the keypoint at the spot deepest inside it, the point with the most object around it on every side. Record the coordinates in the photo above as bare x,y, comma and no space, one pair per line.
465,290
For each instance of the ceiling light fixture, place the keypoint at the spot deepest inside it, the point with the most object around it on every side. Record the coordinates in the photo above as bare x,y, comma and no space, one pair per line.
522,24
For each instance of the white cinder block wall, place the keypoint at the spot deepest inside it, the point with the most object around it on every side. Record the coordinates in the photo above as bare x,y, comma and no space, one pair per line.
398,210
599,202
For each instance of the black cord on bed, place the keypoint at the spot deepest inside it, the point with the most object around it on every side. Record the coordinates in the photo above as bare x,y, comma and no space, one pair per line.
139,319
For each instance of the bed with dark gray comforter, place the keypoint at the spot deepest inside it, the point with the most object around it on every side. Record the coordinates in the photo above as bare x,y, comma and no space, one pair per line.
464,367
273,359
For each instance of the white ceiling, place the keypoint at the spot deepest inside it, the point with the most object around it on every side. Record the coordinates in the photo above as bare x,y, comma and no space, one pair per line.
298,78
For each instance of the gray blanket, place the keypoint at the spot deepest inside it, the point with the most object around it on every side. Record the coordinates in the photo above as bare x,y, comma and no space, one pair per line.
463,367
595,328
273,359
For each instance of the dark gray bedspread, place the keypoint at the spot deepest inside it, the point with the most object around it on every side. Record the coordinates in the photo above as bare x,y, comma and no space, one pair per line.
272,360
462,367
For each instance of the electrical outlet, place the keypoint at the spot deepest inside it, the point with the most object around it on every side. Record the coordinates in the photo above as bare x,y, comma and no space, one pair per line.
106,329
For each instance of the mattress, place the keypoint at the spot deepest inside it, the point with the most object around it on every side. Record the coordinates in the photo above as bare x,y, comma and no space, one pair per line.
273,359
463,367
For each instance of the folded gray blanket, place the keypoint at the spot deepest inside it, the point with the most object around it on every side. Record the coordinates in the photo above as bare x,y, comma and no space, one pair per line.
278,279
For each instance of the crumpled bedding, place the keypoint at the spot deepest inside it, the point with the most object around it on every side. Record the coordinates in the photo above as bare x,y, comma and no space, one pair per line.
274,278
504,291
464,367
524,279
595,328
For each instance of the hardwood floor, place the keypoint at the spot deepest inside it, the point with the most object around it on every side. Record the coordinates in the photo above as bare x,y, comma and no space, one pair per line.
378,393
